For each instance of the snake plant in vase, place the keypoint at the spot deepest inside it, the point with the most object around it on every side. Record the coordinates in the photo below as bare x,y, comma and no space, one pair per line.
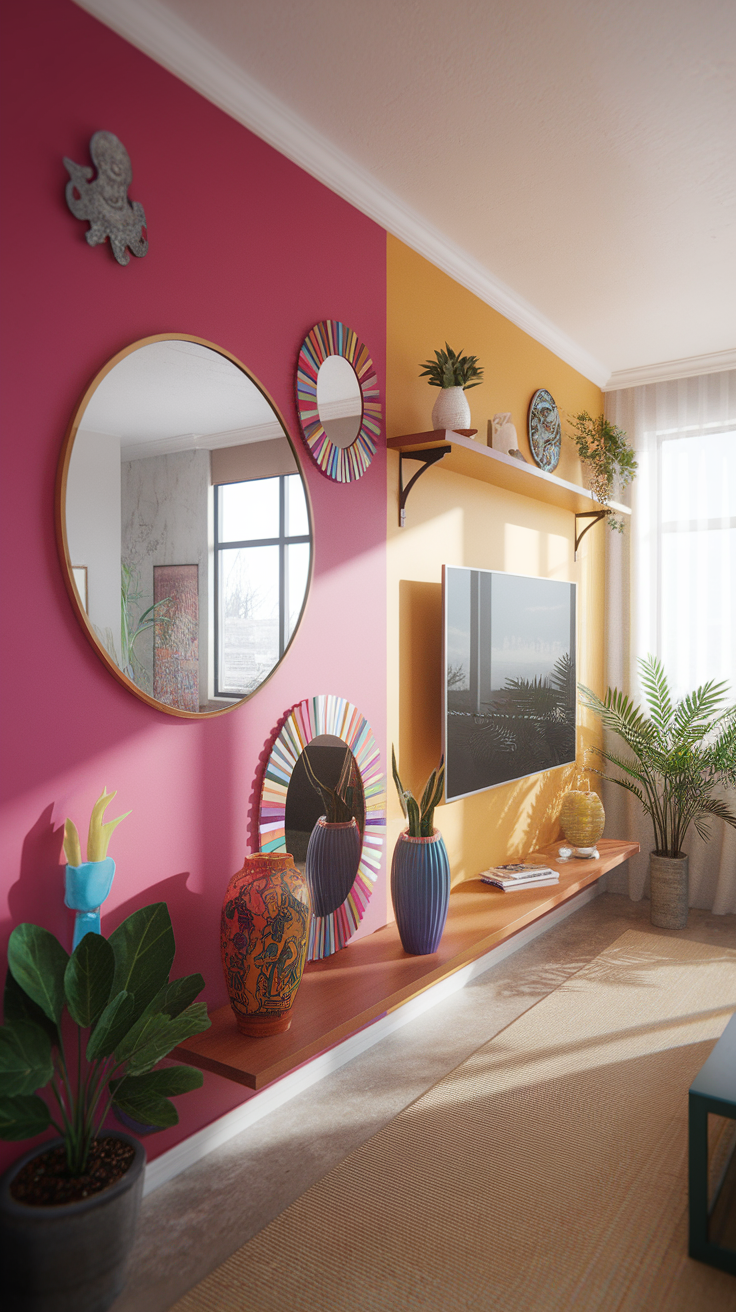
333,853
420,869
454,373
680,755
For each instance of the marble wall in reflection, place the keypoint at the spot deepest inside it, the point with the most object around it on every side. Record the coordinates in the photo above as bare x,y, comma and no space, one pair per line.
165,503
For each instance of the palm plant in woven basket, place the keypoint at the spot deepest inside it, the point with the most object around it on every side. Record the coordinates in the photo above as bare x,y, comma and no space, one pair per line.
680,756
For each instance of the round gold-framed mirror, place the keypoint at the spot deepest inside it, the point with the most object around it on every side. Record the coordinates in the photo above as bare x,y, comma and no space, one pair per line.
184,525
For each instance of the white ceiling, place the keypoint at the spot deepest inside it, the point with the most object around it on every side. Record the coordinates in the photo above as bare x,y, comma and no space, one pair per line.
573,162
175,396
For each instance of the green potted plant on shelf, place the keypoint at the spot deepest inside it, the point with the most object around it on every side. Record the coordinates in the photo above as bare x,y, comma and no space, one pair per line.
420,869
679,755
90,1030
333,854
454,373
607,457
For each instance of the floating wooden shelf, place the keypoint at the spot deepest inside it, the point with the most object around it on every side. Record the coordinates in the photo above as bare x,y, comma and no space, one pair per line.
476,460
343,993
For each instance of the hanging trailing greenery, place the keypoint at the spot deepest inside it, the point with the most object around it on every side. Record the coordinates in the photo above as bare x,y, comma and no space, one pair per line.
605,449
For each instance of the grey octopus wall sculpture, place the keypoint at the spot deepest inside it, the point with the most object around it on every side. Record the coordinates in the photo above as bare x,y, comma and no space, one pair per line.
104,202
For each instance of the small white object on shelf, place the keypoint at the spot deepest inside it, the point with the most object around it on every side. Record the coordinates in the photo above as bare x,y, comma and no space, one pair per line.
503,436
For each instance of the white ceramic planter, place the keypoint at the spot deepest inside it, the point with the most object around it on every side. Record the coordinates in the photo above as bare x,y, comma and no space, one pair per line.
451,409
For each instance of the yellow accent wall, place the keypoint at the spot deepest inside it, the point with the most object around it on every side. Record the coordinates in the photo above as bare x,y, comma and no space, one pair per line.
451,519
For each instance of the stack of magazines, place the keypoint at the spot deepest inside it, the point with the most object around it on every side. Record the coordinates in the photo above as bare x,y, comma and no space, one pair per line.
520,874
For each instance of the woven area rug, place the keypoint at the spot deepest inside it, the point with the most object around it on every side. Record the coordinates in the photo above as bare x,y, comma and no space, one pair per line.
547,1172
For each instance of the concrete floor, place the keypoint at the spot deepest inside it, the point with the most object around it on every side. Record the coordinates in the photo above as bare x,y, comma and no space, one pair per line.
192,1224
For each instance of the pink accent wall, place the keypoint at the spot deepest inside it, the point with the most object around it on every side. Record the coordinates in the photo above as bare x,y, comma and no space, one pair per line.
247,251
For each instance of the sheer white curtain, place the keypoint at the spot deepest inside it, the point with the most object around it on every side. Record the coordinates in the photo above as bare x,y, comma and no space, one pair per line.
671,586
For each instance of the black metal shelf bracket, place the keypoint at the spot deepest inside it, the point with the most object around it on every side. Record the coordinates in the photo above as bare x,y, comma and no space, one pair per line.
593,516
428,457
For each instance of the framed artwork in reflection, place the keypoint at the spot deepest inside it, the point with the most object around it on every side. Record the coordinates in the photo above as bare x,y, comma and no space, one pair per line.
176,636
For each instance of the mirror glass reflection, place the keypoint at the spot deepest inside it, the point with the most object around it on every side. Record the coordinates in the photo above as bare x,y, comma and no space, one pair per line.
339,400
187,520
304,806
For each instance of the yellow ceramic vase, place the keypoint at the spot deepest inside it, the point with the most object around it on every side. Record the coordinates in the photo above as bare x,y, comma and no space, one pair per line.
582,817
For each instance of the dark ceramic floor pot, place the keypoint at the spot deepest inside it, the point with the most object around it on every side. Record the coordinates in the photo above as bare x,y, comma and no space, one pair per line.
333,857
74,1257
669,891
420,889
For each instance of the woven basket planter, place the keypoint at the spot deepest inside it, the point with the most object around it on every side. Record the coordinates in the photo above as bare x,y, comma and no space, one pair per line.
668,889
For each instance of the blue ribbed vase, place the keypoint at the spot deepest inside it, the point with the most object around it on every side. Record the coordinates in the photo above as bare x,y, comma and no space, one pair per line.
420,888
333,856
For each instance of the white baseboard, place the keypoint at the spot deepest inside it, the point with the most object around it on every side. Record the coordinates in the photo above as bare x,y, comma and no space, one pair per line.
198,1145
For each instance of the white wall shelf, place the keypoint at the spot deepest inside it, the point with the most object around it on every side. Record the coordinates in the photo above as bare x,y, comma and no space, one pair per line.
461,454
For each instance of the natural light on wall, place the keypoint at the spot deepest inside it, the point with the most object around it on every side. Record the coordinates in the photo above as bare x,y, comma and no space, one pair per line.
672,577
698,557
671,583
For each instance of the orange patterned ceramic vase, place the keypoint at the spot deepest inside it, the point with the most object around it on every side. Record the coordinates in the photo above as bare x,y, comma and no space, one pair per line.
265,926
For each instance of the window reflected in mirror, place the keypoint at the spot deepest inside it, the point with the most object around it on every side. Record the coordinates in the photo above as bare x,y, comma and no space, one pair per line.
262,550
184,511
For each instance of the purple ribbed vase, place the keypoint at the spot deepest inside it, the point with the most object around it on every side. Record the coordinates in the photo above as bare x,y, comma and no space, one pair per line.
333,856
420,888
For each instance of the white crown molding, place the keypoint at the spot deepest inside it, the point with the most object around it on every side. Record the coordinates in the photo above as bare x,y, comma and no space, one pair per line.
692,366
171,446
164,36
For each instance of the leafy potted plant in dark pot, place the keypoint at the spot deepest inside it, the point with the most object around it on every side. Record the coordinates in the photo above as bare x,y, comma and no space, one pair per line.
89,1028
679,755
420,869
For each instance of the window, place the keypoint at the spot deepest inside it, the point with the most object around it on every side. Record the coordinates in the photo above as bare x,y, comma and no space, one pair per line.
262,553
697,555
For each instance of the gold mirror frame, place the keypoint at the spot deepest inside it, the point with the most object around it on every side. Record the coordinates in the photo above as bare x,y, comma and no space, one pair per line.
61,530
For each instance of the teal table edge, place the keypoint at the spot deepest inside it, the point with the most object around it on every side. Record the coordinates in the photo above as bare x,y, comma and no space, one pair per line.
712,1091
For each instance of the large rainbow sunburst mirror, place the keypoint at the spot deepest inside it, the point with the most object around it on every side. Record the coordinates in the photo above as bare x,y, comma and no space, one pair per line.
309,719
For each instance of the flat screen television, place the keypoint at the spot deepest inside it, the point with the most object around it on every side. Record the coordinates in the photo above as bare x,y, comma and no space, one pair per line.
509,677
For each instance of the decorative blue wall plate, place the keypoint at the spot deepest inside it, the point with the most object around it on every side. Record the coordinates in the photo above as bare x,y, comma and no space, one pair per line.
545,433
